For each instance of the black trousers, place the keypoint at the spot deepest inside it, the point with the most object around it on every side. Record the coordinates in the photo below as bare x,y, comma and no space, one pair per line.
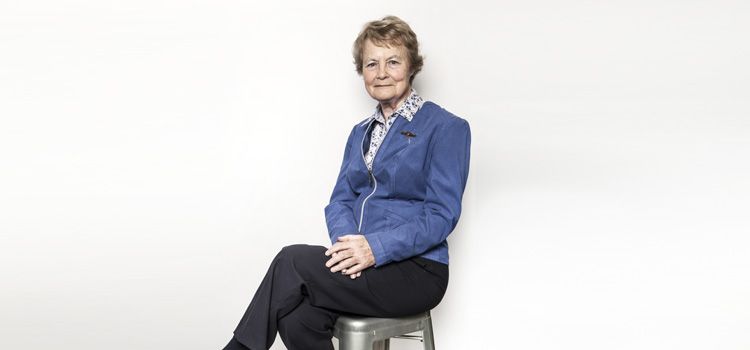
300,298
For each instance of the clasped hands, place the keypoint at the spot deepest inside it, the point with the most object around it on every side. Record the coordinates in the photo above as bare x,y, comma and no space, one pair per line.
350,254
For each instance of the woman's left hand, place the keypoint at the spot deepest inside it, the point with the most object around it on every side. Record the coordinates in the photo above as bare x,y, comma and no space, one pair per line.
351,254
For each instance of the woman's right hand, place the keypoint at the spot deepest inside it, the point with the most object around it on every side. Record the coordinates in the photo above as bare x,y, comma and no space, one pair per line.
354,275
351,254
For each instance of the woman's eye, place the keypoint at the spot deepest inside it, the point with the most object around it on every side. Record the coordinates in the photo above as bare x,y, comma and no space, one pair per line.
393,63
370,65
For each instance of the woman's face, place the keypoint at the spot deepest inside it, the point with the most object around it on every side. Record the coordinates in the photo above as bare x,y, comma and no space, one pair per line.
386,72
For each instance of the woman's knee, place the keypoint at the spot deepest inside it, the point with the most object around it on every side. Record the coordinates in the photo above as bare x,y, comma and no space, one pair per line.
301,251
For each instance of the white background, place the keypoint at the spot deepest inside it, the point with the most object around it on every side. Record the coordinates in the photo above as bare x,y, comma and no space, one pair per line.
155,155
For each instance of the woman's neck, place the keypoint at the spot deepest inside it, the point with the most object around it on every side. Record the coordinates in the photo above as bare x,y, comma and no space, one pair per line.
390,106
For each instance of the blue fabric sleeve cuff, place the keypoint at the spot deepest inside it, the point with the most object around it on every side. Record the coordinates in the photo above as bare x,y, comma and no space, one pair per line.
381,257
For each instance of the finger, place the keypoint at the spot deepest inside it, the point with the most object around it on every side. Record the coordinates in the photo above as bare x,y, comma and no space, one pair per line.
335,248
330,250
338,256
355,269
335,258
342,265
357,260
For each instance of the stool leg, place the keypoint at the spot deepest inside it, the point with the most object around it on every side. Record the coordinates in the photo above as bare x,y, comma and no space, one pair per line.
355,341
381,344
427,335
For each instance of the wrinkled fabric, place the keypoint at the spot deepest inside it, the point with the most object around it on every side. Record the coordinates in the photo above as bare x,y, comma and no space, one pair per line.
410,201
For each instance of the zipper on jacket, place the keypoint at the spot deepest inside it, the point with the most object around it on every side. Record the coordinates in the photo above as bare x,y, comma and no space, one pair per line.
370,178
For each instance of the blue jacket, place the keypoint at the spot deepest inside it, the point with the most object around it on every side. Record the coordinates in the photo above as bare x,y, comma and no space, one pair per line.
412,200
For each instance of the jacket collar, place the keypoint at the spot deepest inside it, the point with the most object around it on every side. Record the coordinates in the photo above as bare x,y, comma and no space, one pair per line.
407,110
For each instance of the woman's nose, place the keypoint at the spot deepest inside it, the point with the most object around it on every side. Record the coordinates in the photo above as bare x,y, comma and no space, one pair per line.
381,72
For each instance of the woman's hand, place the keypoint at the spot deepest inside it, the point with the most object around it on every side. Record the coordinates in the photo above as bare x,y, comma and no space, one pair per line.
354,275
350,255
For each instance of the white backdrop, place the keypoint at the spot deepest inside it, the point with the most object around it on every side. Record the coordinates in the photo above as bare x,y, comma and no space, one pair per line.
155,155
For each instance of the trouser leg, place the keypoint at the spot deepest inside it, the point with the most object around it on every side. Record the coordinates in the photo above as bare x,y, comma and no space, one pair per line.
307,327
298,277
279,293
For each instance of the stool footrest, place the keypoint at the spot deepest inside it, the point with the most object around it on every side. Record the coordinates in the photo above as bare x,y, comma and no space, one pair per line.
410,337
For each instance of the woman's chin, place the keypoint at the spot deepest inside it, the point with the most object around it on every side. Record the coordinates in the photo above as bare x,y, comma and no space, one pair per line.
383,97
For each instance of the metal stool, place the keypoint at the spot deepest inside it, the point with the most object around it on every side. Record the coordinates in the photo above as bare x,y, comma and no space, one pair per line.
368,333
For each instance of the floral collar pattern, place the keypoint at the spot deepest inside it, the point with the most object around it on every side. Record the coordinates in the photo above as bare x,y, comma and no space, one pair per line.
407,110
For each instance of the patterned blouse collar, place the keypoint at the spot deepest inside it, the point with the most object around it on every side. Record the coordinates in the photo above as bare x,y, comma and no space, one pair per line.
408,109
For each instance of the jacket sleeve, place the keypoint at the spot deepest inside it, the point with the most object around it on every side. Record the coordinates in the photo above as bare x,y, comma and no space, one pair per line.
447,173
340,210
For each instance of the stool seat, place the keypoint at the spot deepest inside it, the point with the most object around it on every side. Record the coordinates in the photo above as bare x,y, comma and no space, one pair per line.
367,333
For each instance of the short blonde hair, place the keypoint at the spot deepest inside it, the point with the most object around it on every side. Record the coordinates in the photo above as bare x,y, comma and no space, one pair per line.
388,31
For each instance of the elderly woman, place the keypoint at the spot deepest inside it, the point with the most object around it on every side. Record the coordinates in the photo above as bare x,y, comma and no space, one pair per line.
396,199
